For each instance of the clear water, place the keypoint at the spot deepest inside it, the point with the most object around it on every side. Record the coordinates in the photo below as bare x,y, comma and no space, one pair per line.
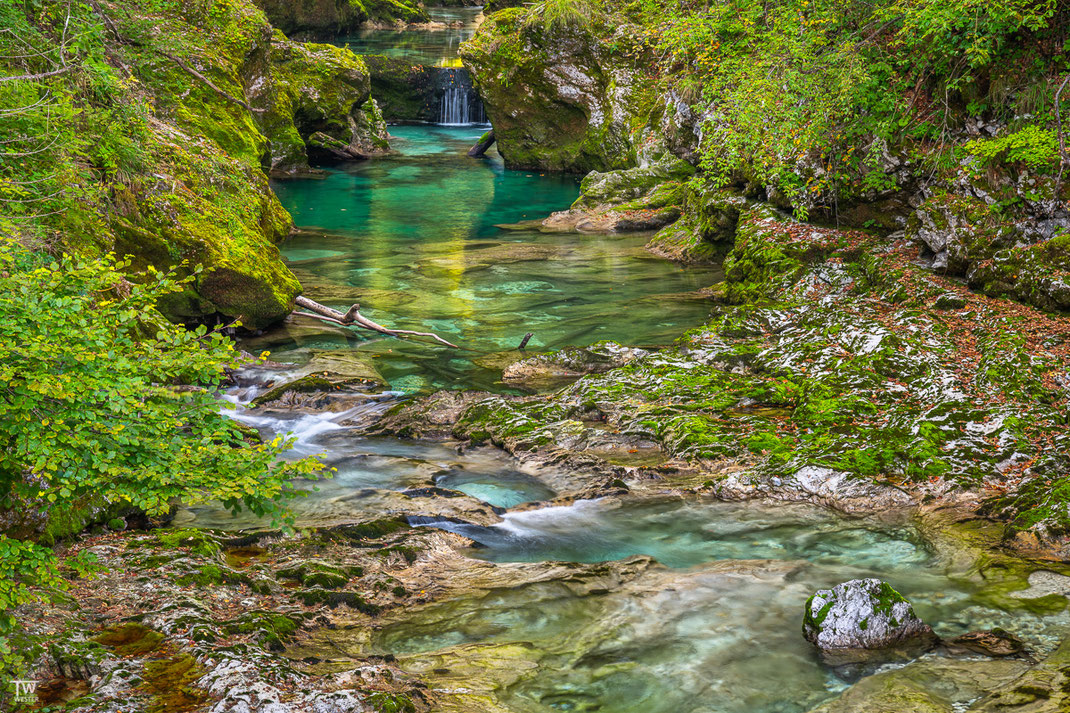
412,238
681,533
365,467
716,632
435,48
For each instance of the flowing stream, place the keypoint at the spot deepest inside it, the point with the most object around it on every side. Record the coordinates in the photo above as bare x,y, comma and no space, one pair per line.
713,626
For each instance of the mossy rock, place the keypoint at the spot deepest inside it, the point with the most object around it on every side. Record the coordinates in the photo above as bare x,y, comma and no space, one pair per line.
198,542
581,105
315,596
317,574
371,530
403,90
130,640
331,374
382,702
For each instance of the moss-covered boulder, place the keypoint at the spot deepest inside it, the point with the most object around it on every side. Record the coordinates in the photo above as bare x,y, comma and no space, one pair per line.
404,91
199,195
707,229
558,98
854,619
328,18
316,89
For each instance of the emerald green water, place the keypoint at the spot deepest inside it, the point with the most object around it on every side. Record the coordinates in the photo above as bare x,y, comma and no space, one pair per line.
433,47
412,237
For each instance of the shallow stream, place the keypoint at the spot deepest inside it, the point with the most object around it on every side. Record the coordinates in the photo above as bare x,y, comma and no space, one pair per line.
713,625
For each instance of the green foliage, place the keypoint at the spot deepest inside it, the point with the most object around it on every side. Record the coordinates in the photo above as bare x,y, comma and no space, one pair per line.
805,97
949,37
1032,146
562,14
101,399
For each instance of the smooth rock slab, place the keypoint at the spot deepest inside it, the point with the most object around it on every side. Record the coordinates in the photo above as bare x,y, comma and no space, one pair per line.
860,618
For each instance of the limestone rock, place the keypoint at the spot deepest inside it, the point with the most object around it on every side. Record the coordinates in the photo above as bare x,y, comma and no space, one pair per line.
571,363
557,97
862,616
327,18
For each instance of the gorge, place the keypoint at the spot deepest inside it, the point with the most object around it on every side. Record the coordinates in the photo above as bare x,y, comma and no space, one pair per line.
751,300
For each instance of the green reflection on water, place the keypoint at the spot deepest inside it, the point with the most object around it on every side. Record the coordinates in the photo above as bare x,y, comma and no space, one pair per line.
412,237
433,47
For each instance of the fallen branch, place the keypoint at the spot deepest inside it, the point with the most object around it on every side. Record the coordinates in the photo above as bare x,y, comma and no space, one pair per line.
124,40
35,77
353,318
208,82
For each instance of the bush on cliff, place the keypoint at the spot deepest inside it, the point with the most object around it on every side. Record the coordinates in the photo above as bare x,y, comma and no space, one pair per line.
822,100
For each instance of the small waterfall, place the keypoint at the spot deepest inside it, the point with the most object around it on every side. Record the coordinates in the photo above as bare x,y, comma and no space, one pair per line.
459,103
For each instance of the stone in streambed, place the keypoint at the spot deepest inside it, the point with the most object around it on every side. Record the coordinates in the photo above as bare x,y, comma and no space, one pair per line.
863,619
571,363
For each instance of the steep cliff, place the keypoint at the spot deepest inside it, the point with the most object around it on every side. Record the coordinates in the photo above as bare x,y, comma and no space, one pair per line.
160,137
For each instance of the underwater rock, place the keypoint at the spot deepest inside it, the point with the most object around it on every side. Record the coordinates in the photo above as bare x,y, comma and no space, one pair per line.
859,619
996,643
928,685
1045,688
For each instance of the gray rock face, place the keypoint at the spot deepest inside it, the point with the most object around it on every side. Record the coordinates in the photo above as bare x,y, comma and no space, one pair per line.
862,616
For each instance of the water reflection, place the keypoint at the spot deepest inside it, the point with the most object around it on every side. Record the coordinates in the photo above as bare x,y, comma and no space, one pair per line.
436,47
413,239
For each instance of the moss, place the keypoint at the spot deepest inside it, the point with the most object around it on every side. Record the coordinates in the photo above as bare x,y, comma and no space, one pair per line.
409,554
316,574
170,681
371,530
328,18
391,703
540,127
211,575
198,542
130,640
271,629
312,597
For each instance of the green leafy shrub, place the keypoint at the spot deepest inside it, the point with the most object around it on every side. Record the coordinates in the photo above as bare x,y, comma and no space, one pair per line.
1033,146
103,402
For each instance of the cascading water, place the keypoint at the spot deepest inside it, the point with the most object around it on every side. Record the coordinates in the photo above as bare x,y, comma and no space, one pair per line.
459,103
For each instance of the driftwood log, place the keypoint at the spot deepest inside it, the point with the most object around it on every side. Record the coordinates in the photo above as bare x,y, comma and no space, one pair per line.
485,142
353,318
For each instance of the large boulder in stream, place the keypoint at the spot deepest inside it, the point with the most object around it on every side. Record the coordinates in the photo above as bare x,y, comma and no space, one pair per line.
312,94
558,98
860,619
